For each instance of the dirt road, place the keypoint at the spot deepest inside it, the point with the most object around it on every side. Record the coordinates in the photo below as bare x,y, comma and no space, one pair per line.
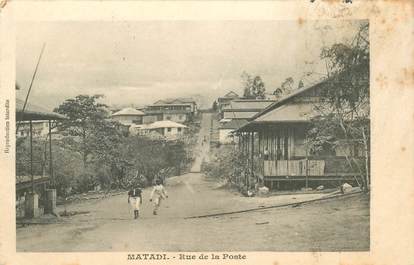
341,224
203,142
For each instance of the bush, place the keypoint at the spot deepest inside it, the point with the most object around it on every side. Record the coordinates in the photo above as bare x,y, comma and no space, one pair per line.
230,165
226,164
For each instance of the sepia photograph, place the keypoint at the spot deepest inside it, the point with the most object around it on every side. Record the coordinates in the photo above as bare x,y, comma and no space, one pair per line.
193,136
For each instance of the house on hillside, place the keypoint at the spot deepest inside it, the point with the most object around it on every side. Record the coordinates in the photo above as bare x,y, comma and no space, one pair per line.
152,116
226,130
189,101
242,109
128,116
139,129
177,110
224,101
40,128
169,129
274,144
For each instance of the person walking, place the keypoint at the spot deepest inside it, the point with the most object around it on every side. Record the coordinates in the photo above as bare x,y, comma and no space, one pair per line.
158,193
135,200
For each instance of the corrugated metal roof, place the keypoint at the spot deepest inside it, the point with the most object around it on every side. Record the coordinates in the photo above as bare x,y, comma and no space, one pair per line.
289,112
239,115
289,97
249,104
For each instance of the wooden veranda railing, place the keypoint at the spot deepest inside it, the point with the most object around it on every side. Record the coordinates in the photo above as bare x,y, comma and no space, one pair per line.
293,167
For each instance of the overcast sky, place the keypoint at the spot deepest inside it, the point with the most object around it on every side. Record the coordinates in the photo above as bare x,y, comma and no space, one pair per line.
141,61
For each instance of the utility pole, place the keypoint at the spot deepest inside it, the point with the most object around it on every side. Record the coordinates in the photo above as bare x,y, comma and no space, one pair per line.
31,84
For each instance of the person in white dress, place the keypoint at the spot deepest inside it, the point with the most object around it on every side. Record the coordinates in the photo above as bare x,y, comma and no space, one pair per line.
157,195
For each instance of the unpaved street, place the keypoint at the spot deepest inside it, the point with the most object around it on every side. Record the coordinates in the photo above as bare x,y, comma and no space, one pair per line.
328,225
203,142
338,224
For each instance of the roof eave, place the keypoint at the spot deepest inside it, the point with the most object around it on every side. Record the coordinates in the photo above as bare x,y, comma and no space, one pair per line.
242,110
253,124
32,115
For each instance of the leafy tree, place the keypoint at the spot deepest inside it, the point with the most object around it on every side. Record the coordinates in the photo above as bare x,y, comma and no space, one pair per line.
285,88
258,88
215,106
97,139
151,159
247,82
343,112
106,157
67,163
23,156
67,168
253,87
85,117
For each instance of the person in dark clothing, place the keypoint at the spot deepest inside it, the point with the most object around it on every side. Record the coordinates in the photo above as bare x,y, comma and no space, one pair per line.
135,200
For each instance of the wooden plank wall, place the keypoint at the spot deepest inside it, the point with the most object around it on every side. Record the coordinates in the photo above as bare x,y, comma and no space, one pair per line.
271,136
293,167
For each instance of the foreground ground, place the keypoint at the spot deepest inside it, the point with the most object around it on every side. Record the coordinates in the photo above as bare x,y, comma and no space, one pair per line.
336,224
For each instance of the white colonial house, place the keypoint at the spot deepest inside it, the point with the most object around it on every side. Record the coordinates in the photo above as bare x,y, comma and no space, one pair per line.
128,116
177,110
169,129
40,128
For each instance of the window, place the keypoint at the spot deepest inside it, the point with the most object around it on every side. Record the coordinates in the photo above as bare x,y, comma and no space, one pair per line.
168,129
179,129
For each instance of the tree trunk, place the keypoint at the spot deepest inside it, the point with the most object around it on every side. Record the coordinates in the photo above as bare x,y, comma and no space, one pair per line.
363,178
84,149
366,149
352,167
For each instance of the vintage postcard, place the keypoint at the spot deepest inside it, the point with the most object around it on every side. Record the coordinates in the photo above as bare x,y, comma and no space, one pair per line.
263,132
